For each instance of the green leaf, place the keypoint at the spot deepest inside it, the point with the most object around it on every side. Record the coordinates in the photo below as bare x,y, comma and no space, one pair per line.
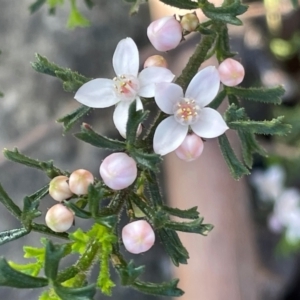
89,3
236,168
275,126
226,13
46,166
9,203
76,19
129,273
32,269
79,212
80,239
13,234
250,146
89,136
107,221
49,295
54,3
70,119
30,211
36,5
53,255
11,277
148,161
95,195
82,293
195,226
191,213
135,118
184,4
72,81
173,246
266,95
169,289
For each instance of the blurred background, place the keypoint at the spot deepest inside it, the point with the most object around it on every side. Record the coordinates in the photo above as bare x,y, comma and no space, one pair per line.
251,254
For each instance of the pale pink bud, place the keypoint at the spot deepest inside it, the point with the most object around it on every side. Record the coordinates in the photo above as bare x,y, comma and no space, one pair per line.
191,148
80,180
59,218
138,237
59,188
231,72
155,61
189,22
165,33
118,171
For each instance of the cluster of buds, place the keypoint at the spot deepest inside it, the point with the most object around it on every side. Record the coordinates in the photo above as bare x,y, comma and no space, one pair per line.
59,218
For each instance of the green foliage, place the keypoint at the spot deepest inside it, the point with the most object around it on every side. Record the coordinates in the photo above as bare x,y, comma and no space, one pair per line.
226,13
89,136
184,4
76,19
266,95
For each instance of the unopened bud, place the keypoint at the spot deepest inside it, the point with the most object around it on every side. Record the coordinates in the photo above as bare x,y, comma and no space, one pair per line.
191,148
59,218
138,237
165,33
59,188
231,72
118,171
80,180
189,22
155,61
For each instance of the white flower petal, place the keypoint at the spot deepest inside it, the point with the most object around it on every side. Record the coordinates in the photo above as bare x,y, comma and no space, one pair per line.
204,86
126,58
97,93
168,136
210,124
167,95
120,116
149,76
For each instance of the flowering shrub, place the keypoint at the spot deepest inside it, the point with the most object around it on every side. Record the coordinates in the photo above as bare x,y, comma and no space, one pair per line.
186,114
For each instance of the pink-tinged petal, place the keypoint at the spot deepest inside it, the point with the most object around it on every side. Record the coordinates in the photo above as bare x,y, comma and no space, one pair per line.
168,136
210,124
97,93
120,116
204,86
231,72
167,95
150,76
126,58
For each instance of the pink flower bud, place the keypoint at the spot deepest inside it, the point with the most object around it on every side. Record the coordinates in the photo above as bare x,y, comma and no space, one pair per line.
118,171
80,180
59,218
138,237
189,22
165,33
231,72
59,188
155,61
191,148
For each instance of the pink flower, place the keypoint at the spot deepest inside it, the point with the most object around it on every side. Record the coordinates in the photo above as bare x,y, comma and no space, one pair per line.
188,111
126,87
80,180
191,148
165,34
118,171
59,218
59,188
231,72
138,237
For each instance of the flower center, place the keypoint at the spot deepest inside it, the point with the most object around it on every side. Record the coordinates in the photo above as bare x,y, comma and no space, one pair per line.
126,87
186,111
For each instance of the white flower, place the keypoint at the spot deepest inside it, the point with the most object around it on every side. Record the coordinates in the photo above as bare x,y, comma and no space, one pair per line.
269,183
188,111
286,206
126,87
